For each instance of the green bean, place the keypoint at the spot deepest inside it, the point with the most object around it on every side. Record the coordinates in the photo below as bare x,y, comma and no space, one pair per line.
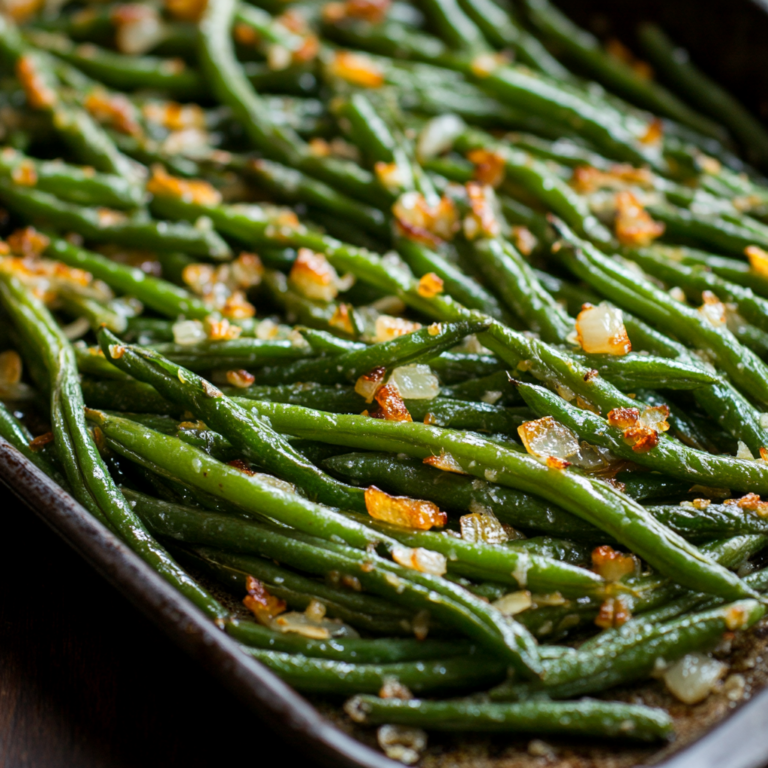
634,371
419,346
342,678
122,71
235,353
292,186
592,500
708,521
162,296
503,267
86,473
229,84
730,269
460,494
585,50
666,456
676,66
13,432
253,436
602,719
452,605
104,225
505,32
362,610
69,182
631,657
650,302
695,280
537,179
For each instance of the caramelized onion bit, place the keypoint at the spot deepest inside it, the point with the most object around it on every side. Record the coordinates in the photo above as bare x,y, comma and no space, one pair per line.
418,220
420,559
40,442
391,405
313,275
482,221
586,179
29,242
713,309
370,383
654,133
600,330
357,69
260,602
430,285
186,10
613,565
403,511
196,191
342,319
758,259
445,462
114,110
614,612
489,166
634,225
39,94
372,11
751,503
641,430
388,327
312,623
240,379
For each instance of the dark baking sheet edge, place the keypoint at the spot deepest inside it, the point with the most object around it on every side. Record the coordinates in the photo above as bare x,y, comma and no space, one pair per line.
739,741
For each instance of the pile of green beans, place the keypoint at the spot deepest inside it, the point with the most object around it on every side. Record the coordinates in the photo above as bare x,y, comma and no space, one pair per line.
449,366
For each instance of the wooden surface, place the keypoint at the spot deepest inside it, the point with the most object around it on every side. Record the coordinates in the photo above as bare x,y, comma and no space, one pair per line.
87,682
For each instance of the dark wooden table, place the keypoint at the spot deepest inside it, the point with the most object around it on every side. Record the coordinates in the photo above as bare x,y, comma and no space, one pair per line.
87,682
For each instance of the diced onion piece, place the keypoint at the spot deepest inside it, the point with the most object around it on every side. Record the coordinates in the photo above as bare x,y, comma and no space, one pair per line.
586,179
613,565
758,259
654,133
600,330
692,678
312,623
420,559
713,309
370,383
394,689
438,135
486,63
547,438
402,742
313,275
138,28
187,332
484,527
39,94
415,382
634,225
388,328
514,603
403,511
